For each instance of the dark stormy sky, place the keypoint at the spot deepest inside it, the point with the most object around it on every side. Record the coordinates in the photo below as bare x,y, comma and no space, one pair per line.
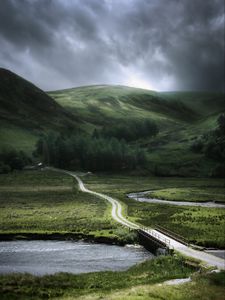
155,44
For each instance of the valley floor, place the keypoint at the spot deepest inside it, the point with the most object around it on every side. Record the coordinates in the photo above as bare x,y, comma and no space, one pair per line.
39,202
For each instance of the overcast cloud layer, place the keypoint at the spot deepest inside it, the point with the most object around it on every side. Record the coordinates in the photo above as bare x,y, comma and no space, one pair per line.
157,44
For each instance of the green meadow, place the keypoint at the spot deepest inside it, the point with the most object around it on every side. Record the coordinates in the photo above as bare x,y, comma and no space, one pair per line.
49,202
199,225
46,203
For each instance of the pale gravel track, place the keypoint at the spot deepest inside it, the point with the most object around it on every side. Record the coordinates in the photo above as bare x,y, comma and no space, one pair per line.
116,213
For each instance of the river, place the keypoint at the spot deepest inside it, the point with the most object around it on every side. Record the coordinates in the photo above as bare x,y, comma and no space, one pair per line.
49,257
141,197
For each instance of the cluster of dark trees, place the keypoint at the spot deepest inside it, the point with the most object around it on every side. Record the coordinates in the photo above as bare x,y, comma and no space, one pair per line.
212,145
129,130
89,153
13,160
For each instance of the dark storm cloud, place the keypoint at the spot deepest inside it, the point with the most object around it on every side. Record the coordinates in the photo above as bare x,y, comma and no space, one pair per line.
154,43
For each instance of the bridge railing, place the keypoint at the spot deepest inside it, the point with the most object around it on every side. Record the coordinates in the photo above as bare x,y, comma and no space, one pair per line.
172,234
157,236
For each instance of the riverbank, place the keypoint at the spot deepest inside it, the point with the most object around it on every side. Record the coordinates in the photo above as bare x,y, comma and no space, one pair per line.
128,237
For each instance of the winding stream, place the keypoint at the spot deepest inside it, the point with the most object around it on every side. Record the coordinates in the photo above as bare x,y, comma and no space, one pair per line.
49,257
140,196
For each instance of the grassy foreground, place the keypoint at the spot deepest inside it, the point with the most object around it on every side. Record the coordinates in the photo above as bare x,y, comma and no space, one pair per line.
143,281
19,286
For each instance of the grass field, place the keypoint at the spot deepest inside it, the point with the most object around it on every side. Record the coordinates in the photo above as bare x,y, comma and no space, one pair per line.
48,202
202,226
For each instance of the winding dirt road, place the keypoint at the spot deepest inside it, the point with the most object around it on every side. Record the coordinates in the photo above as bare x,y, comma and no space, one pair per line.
206,258
116,206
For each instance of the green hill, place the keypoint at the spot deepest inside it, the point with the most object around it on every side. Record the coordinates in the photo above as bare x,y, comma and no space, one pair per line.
26,111
181,118
107,104
104,104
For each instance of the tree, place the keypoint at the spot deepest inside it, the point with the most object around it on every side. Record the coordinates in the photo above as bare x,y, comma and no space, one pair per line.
221,124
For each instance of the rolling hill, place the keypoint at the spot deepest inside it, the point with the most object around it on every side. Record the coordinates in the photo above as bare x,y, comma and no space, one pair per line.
181,117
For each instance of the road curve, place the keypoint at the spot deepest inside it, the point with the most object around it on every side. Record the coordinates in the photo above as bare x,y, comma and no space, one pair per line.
116,206
206,258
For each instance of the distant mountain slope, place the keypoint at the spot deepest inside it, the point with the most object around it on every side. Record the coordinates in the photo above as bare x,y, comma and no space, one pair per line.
26,110
104,104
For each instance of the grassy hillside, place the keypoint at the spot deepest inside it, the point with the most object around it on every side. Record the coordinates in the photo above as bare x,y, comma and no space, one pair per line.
26,111
100,105
181,117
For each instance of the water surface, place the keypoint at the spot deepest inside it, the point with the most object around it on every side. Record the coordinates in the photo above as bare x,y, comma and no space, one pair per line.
49,257
140,196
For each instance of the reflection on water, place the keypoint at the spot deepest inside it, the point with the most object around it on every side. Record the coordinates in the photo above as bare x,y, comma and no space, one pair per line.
49,257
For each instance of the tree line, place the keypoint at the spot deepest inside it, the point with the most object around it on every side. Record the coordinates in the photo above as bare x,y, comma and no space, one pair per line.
212,145
13,160
91,153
